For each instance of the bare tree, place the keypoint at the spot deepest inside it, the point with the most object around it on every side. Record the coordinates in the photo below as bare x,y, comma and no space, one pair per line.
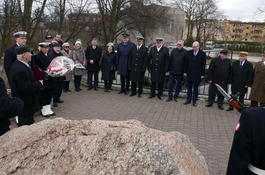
8,23
31,17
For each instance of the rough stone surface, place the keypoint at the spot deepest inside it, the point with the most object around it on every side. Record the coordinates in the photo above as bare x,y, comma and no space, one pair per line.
98,147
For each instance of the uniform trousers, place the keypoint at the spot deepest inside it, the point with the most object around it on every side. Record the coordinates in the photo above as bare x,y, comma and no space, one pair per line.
89,79
140,87
108,84
171,85
57,91
25,119
195,91
160,88
46,96
125,87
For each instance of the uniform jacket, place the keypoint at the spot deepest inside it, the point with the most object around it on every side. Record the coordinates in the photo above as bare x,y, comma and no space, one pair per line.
258,86
9,59
137,63
108,66
25,86
195,66
10,107
43,62
158,63
241,77
95,55
122,57
249,142
79,57
177,61
64,53
219,73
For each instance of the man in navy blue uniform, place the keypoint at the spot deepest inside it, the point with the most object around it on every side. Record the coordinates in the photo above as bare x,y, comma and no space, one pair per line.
158,66
24,85
122,59
10,107
10,54
247,152
177,63
194,71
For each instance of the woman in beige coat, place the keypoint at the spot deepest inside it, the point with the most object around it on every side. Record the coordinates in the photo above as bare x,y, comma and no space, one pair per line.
79,57
68,53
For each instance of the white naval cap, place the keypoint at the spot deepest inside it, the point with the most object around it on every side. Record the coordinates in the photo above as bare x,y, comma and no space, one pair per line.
44,44
159,40
20,34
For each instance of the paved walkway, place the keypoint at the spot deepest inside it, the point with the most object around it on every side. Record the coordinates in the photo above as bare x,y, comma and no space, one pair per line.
210,129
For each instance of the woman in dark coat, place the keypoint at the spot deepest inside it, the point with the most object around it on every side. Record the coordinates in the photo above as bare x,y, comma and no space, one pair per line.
108,67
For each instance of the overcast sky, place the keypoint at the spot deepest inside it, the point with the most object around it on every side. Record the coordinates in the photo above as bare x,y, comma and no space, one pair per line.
242,9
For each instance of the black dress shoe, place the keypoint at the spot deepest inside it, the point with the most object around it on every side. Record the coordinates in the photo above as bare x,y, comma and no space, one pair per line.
186,102
176,99
121,91
55,104
208,105
230,109
126,93
96,89
159,97
46,116
80,89
132,94
59,101
140,95
194,104
89,88
151,96
105,90
69,90
220,107
64,91
169,99
77,90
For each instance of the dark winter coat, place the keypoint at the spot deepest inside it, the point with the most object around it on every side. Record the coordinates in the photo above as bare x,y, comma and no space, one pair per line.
122,57
158,64
219,72
95,55
108,66
195,66
177,61
43,61
137,63
249,142
241,77
9,59
25,86
10,107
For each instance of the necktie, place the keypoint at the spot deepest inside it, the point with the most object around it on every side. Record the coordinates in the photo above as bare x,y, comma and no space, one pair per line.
195,54
241,65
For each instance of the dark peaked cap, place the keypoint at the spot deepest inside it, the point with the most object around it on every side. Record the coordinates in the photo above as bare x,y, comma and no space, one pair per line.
22,49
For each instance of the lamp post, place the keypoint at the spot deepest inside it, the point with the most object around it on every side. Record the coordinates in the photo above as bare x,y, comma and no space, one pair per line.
226,36
41,29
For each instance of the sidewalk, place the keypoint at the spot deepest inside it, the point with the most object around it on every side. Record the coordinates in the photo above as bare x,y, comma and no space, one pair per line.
210,129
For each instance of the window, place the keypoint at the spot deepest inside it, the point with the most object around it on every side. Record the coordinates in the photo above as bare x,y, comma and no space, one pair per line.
247,27
235,25
246,33
260,26
87,28
253,31
254,26
241,25
73,18
252,38
80,19
99,19
259,38
234,31
87,19
233,37
94,19
241,31
260,32
240,37
246,39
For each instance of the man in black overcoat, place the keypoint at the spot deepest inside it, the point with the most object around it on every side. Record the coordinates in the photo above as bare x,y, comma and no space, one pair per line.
137,65
24,85
247,152
241,77
218,73
194,71
93,55
158,65
10,107
10,54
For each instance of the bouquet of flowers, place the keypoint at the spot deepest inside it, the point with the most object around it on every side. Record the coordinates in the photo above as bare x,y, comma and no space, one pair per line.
60,66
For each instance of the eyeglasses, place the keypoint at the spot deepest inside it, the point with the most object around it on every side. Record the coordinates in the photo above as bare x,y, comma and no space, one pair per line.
66,47
178,44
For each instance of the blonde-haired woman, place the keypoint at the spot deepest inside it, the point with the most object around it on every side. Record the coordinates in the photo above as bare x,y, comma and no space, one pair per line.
78,57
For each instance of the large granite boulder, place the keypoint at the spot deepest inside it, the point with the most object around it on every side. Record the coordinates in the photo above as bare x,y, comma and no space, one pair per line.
95,147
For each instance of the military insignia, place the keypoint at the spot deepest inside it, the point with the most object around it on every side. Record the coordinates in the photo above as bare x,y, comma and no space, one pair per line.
238,126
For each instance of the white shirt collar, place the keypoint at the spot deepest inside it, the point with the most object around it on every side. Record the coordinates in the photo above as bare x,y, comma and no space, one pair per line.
24,63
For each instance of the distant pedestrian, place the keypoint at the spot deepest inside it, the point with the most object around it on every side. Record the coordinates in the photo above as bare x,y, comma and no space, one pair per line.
108,67
79,57
194,71
93,55
158,66
218,73
257,94
68,53
137,65
176,69
122,57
